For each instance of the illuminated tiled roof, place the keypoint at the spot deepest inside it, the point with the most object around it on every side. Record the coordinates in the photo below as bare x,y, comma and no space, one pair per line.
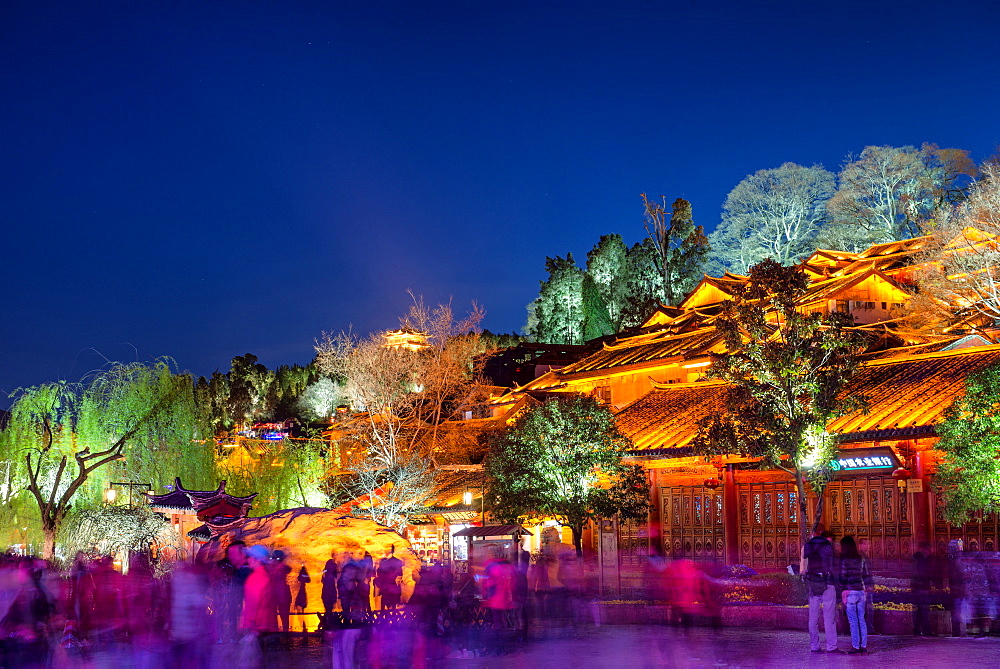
907,396
912,391
890,248
645,348
668,418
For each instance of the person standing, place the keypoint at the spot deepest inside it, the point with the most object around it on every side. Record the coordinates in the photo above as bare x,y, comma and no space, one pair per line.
856,579
279,571
819,576
387,580
329,592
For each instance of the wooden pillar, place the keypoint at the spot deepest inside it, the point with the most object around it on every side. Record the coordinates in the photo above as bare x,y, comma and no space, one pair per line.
731,515
654,529
920,507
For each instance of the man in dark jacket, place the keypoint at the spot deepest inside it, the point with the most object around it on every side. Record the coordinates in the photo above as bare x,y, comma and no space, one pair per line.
820,578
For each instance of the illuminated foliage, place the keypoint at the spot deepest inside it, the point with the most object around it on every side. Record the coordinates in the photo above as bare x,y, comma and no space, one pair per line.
960,276
116,530
968,476
681,247
130,422
786,370
400,397
889,193
286,473
563,459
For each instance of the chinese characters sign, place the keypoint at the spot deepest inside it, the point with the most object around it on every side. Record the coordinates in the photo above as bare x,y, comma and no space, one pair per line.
866,459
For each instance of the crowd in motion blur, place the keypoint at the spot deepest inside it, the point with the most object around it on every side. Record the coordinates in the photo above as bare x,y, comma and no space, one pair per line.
252,602
250,605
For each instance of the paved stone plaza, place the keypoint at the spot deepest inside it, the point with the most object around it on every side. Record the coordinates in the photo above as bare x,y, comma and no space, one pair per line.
621,647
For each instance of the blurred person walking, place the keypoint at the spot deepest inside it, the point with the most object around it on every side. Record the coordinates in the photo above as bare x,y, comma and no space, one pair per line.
229,577
922,579
259,618
856,579
498,598
820,579
189,606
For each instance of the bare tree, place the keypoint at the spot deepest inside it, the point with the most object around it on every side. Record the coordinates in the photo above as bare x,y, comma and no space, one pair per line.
401,394
891,193
960,272
774,213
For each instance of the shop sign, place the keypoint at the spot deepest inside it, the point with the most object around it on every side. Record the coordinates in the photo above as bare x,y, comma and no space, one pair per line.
865,460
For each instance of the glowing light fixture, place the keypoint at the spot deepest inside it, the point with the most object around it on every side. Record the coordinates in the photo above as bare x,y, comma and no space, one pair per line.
467,498
703,363
110,495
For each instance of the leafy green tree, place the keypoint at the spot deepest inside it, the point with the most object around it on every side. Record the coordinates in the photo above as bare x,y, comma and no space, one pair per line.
968,476
786,371
607,267
563,458
643,284
131,420
556,316
596,319
681,246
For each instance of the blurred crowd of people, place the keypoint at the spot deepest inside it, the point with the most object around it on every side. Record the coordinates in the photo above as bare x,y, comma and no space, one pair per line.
236,609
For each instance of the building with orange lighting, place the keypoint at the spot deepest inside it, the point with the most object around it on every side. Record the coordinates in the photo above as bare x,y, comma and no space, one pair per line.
727,509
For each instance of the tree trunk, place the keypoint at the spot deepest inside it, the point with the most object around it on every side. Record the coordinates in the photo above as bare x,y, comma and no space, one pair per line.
49,543
803,518
577,538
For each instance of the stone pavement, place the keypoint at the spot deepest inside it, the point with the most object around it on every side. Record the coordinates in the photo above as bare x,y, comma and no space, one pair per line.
642,647
621,647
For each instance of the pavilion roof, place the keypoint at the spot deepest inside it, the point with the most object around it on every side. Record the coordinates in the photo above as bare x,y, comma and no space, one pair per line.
907,396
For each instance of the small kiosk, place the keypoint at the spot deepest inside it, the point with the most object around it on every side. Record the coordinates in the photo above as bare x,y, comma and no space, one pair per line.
488,543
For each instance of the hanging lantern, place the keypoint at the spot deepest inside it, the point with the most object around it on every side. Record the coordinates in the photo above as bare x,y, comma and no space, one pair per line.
712,483
901,475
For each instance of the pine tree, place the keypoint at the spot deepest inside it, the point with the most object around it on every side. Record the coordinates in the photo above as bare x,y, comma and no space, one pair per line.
607,267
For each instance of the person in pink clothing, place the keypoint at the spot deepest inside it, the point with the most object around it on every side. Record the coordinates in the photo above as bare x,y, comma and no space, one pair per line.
260,611
498,592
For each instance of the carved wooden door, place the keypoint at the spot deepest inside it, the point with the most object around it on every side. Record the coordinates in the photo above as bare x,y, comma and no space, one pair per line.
692,523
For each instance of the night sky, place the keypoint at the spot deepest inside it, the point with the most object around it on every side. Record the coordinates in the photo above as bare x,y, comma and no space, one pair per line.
206,179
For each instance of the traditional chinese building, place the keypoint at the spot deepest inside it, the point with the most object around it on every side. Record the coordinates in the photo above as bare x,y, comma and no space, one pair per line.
728,510
200,515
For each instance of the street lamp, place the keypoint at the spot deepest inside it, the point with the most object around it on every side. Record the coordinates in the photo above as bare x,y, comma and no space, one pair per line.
111,494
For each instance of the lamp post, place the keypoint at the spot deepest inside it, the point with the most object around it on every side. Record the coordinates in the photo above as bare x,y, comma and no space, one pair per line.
111,494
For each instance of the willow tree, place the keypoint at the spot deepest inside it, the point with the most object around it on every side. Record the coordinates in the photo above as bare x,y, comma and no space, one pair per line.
787,371
563,459
284,473
131,422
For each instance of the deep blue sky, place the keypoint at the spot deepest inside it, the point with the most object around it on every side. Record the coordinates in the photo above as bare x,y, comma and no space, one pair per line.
207,179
